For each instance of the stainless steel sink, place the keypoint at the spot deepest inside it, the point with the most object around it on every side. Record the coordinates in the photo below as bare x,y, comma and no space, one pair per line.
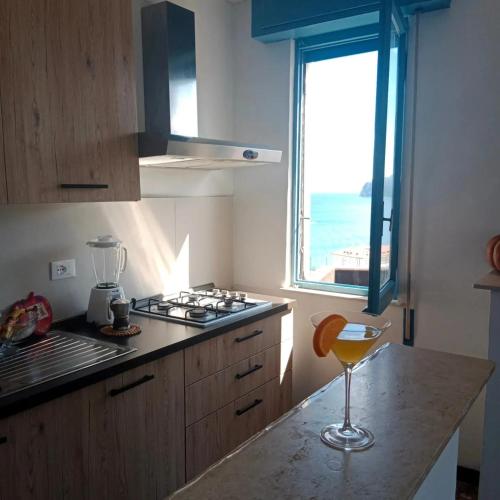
53,356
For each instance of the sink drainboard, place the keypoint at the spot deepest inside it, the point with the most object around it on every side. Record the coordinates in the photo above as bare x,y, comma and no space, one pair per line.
53,356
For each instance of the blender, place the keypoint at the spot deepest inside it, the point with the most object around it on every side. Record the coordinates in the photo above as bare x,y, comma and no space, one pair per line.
109,260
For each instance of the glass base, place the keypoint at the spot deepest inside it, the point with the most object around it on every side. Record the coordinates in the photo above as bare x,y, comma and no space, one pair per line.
353,438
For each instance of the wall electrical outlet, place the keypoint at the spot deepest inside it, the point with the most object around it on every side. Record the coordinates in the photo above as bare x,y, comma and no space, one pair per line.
62,269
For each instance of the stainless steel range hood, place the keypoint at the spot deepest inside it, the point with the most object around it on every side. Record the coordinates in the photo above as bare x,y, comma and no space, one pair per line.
170,99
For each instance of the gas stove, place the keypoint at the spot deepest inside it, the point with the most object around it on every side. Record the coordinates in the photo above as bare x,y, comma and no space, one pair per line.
202,306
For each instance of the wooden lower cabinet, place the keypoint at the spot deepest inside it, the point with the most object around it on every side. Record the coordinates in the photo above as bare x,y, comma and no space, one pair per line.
3,180
203,445
139,434
136,432
208,357
222,431
249,414
43,454
219,389
122,438
236,384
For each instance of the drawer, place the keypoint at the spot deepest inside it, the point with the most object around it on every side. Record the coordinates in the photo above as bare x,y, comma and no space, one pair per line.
219,433
241,419
202,398
211,356
244,342
241,378
202,445
218,390
201,360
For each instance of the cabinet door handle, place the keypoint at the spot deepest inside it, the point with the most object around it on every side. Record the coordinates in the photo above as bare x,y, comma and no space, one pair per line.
3,439
253,334
248,372
84,186
257,402
143,380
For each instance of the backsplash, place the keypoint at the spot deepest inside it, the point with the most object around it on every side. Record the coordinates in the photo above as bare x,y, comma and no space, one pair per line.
172,243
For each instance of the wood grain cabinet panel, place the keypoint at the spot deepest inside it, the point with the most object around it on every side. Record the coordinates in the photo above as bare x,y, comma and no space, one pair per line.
201,360
202,398
3,180
219,389
25,92
203,445
219,433
248,340
244,417
236,384
5,480
43,452
246,375
206,358
68,99
137,432
123,438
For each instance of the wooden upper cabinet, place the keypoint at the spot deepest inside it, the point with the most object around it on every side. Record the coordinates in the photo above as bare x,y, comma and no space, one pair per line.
67,87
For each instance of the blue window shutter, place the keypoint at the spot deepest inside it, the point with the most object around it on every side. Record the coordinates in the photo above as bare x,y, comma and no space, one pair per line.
380,294
274,20
409,7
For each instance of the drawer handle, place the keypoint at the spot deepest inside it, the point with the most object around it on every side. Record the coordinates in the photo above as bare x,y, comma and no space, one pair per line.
253,334
84,186
143,380
248,372
3,440
249,407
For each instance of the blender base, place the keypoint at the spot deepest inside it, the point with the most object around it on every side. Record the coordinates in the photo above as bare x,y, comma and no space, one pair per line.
99,311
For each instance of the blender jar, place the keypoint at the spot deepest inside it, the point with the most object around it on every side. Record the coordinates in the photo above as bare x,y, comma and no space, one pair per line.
109,260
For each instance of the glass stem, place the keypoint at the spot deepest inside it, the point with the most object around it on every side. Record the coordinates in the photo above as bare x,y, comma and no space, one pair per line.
347,417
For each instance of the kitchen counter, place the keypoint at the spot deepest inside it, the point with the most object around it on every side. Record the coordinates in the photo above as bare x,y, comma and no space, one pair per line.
158,338
413,400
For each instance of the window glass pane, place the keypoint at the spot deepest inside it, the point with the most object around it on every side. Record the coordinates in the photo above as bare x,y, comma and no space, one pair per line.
389,160
337,166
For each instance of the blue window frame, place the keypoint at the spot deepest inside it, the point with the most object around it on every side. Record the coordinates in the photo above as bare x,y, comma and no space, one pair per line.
370,272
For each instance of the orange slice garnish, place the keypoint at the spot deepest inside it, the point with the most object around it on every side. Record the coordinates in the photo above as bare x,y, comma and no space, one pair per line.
326,333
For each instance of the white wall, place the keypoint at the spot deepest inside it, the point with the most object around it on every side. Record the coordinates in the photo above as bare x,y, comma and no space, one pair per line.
172,244
457,182
456,187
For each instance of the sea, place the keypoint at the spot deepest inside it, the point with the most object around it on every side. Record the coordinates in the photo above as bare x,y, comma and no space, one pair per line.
340,221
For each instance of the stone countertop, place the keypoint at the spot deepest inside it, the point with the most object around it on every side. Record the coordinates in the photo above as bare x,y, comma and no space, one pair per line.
158,339
413,400
490,281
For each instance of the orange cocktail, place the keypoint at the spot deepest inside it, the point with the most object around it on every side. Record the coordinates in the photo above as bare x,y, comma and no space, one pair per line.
349,337
353,342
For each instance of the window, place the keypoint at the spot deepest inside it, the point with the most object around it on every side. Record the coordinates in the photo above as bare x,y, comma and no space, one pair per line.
347,162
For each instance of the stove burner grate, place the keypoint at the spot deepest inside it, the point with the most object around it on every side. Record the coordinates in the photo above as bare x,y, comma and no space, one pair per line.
200,308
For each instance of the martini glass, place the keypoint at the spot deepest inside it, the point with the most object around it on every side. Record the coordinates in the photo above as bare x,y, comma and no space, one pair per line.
350,346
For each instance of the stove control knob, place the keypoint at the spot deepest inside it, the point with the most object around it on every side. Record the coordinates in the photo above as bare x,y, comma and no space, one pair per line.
233,295
223,293
243,295
216,291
